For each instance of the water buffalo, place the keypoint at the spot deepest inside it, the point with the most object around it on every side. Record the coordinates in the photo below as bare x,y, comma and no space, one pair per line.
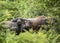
13,26
33,23
36,23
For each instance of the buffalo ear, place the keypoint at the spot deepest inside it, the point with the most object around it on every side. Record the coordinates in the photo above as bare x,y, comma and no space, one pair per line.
14,20
23,19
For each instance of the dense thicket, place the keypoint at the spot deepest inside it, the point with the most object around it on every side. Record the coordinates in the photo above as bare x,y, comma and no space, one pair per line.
29,9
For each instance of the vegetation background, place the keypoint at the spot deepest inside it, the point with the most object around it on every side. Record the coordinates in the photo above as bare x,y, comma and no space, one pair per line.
29,9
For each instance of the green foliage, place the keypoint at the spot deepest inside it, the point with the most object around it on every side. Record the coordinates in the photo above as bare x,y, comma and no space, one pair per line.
30,37
29,9
27,38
